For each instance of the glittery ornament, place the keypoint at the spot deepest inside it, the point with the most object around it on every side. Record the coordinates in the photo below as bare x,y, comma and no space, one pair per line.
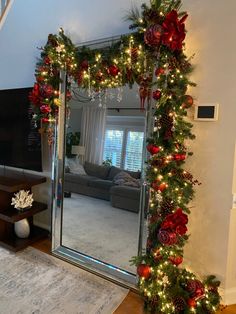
152,35
195,288
167,237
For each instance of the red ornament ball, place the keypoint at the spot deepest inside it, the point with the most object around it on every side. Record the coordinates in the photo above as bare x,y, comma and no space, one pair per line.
159,71
113,70
192,302
167,237
153,149
156,94
162,187
144,271
152,35
188,101
179,157
176,260
45,120
159,187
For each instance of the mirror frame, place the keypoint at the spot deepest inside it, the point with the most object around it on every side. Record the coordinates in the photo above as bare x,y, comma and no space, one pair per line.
100,268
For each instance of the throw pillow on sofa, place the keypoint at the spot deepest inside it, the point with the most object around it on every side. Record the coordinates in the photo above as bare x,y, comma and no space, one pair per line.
123,178
73,165
114,171
96,170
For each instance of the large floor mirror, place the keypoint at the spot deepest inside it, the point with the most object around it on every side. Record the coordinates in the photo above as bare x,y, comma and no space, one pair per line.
99,219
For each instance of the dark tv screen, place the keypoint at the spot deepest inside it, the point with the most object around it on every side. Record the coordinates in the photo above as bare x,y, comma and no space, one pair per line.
20,141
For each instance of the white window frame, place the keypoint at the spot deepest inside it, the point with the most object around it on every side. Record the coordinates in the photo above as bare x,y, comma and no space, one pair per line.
125,137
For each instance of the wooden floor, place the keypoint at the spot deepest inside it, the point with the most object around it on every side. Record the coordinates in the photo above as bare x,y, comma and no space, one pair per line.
133,303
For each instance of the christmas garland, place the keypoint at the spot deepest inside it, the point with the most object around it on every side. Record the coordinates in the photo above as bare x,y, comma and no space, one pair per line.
166,287
59,53
153,56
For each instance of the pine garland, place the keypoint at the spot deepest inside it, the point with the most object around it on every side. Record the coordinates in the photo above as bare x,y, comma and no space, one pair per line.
166,287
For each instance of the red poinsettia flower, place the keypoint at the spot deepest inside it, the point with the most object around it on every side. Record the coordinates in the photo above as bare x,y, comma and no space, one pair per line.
173,30
181,229
176,222
180,217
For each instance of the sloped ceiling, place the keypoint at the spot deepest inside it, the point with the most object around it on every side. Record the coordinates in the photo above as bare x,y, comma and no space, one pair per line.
29,23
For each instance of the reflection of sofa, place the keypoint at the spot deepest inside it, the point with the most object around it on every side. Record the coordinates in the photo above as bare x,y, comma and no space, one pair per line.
98,182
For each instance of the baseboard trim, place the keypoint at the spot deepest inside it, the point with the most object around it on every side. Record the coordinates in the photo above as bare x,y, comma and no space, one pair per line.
42,225
228,296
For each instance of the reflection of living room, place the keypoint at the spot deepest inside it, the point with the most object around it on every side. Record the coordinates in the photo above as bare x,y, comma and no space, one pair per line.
94,227
104,183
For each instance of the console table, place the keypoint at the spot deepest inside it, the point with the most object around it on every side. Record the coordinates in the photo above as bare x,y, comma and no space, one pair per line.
11,182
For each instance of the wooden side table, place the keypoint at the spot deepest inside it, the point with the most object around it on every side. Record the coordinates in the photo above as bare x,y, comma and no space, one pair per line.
11,182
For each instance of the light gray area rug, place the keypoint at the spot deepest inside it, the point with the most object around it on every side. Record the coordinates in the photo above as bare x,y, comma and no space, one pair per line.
92,226
32,282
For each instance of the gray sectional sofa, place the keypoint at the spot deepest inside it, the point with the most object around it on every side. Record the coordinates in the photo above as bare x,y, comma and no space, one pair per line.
98,182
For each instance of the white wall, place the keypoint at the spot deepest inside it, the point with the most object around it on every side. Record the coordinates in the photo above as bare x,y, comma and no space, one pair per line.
211,33
30,21
211,36
27,26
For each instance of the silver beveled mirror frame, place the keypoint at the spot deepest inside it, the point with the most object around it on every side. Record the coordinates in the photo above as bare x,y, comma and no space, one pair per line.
105,270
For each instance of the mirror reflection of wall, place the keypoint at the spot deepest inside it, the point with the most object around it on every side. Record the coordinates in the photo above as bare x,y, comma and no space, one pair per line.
103,179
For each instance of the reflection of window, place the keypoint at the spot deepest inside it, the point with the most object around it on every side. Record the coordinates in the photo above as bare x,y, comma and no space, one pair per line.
123,147
113,146
133,151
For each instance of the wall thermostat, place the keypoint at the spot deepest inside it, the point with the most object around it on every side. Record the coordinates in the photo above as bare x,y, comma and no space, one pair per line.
206,112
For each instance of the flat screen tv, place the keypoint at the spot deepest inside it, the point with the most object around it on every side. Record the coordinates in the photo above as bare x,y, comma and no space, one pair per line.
20,141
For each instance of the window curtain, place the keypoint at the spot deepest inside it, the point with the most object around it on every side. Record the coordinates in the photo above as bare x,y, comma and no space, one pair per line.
92,133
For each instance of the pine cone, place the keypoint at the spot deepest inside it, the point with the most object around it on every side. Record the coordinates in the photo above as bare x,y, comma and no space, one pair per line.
151,16
167,206
166,121
179,304
159,163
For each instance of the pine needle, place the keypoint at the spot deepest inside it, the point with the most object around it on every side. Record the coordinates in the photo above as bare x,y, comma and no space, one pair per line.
133,14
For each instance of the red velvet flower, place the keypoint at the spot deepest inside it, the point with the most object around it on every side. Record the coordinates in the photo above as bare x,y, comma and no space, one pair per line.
176,260
35,96
47,90
173,30
176,222
45,109
181,229
84,65
180,217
